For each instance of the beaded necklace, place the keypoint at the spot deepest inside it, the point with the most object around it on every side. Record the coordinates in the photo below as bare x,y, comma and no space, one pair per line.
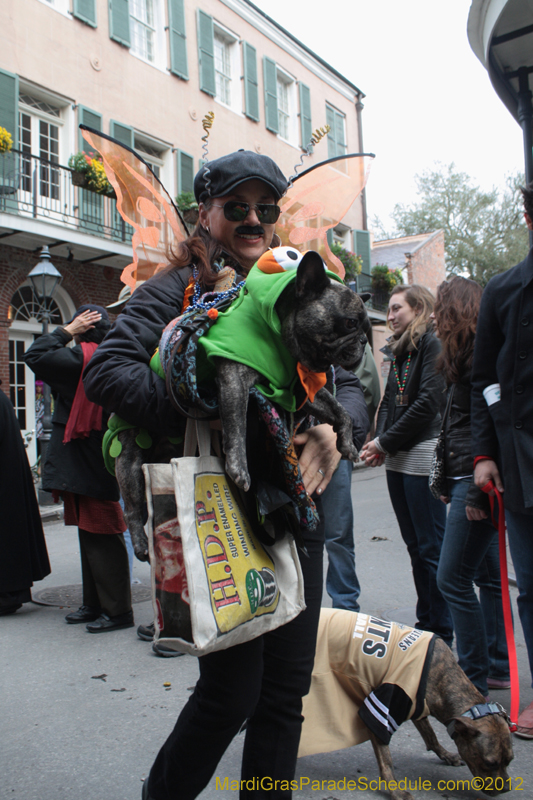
401,400
201,301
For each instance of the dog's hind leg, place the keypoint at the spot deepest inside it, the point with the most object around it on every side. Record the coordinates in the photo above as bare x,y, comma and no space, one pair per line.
427,733
130,478
234,381
386,768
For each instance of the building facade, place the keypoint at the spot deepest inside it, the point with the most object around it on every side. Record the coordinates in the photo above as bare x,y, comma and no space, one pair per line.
145,72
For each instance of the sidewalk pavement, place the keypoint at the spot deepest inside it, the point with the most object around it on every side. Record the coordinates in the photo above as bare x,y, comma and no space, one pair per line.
83,716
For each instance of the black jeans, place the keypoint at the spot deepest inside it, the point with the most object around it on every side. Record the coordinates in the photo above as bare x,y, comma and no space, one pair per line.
422,520
262,681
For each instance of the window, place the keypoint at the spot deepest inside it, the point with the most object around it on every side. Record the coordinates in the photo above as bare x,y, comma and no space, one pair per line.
337,134
153,155
142,29
58,5
227,68
39,139
286,107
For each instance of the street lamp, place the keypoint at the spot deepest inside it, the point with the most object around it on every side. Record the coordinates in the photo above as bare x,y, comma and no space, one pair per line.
45,279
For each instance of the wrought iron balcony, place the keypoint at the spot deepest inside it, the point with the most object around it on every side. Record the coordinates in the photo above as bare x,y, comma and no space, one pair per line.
34,187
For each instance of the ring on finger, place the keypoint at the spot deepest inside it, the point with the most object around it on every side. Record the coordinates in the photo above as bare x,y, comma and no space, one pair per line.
321,471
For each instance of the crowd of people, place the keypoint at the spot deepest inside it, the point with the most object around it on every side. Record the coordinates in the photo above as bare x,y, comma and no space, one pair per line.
445,353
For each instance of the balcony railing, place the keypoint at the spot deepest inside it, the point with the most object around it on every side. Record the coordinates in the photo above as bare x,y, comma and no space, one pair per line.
41,189
379,300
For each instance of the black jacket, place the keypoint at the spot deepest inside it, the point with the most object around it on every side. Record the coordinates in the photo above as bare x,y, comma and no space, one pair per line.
119,375
402,427
504,354
458,461
77,466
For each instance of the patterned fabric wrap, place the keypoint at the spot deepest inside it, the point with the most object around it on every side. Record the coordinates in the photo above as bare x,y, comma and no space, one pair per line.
303,505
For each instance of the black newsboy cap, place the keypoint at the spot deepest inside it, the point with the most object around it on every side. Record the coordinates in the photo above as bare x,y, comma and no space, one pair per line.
228,172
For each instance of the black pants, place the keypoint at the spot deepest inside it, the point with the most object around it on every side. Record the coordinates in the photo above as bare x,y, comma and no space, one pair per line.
262,681
105,572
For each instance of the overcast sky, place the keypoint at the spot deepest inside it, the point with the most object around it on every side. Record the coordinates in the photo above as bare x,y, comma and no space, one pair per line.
428,98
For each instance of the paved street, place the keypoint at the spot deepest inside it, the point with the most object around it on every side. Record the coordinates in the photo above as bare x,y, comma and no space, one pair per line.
84,715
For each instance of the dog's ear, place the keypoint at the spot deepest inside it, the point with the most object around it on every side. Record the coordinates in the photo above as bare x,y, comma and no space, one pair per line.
365,296
311,278
466,726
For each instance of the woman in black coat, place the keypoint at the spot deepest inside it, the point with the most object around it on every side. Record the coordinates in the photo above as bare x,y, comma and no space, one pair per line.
470,548
408,423
74,468
24,555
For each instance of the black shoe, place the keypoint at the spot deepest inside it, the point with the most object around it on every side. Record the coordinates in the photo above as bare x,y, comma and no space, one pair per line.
6,610
83,614
105,623
146,632
164,651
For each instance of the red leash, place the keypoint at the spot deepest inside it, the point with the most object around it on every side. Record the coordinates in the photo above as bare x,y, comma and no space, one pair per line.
506,601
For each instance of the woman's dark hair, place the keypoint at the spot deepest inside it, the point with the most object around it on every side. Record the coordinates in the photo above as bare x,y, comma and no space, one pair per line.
527,197
456,313
201,250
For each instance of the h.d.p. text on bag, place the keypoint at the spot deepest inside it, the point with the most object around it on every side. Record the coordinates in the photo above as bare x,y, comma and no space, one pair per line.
214,584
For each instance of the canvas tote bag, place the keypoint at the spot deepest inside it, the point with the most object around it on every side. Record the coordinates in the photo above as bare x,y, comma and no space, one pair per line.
214,584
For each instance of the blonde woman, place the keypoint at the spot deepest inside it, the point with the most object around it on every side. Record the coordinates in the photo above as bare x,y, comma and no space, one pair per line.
408,424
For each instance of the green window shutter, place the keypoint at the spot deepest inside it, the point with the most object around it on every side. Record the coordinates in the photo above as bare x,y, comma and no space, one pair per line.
361,246
90,118
332,141
305,115
185,172
206,53
251,89
178,39
85,10
329,236
339,134
271,94
9,100
123,133
119,21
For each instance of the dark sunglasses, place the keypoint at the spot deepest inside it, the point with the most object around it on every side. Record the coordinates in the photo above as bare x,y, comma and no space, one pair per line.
237,211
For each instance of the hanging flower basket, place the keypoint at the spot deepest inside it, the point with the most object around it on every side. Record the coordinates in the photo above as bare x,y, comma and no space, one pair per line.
88,172
6,140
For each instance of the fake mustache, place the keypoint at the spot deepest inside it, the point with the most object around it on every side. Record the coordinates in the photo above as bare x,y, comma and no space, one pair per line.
250,230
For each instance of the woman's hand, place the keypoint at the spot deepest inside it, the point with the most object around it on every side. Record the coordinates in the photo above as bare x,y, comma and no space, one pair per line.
371,455
475,514
444,499
83,323
319,457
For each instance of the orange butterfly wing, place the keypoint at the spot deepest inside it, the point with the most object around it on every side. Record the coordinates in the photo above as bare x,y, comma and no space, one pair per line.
142,202
318,200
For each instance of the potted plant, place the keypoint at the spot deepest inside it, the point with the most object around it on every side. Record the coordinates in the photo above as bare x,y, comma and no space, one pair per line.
188,207
6,140
351,262
383,282
88,171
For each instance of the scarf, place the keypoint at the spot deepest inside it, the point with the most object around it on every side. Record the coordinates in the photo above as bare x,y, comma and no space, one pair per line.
84,416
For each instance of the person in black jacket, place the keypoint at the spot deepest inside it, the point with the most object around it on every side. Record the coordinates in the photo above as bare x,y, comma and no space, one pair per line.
263,680
22,543
74,468
502,420
408,423
470,548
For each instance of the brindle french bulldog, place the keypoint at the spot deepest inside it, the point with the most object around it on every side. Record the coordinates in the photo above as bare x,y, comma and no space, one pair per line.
323,323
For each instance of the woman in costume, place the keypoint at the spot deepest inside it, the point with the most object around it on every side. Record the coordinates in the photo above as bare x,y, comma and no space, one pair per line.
263,680
408,423
74,468
470,548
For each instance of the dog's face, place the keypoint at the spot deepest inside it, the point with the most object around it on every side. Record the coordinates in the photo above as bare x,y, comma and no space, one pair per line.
324,322
485,746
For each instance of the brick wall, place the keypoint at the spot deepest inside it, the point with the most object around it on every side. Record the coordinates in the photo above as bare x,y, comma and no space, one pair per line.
427,265
85,283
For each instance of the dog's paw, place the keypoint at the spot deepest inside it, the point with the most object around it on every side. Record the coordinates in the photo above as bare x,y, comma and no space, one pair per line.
452,759
238,474
142,555
347,449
